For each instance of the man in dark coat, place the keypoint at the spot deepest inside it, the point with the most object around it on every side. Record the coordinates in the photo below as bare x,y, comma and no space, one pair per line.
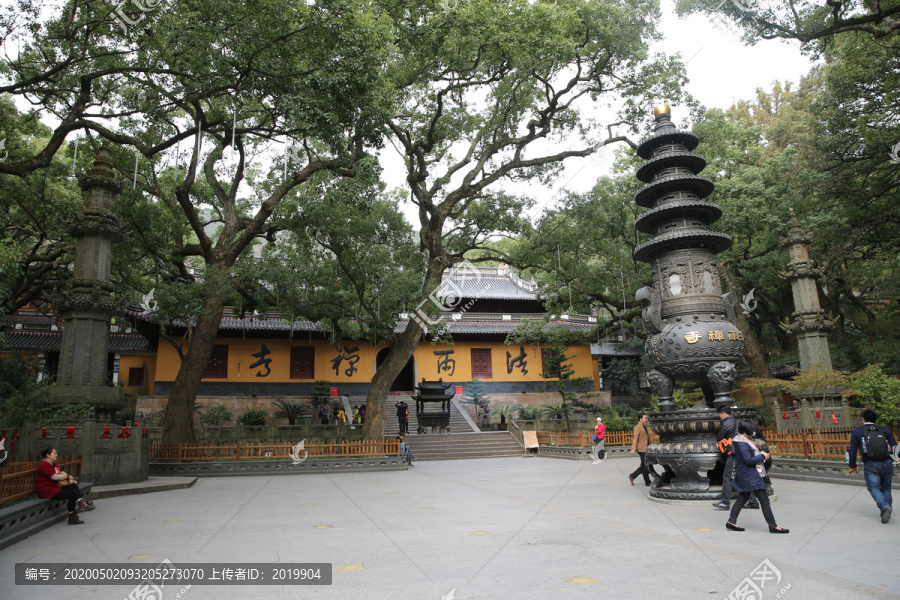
403,416
727,430
878,471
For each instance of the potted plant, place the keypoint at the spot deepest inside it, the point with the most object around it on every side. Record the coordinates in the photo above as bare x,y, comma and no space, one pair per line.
503,410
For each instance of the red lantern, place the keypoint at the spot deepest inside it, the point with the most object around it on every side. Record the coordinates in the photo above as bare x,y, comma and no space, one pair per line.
796,415
105,433
818,414
785,415
43,433
833,418
70,433
124,433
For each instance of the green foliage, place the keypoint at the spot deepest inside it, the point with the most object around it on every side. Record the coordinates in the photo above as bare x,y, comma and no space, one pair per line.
216,416
623,374
530,412
618,417
879,392
253,417
290,410
558,378
558,410
26,403
504,410
320,394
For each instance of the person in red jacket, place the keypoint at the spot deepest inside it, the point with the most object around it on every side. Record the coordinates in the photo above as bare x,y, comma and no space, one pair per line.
52,482
599,453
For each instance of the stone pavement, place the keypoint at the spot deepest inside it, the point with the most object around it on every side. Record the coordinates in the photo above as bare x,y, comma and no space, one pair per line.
518,528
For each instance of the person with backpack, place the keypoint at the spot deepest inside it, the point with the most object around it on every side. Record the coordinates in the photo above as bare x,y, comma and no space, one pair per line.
878,467
727,431
599,437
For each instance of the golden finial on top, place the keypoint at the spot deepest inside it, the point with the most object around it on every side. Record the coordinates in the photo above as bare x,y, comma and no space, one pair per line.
661,109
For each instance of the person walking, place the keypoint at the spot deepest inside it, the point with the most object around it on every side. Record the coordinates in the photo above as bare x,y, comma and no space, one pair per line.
599,438
324,415
639,444
727,431
749,478
878,466
52,482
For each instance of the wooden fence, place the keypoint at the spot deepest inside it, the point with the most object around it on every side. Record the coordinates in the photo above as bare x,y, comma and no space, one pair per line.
17,478
583,439
278,450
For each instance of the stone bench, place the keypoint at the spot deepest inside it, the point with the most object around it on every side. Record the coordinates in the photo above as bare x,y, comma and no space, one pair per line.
28,517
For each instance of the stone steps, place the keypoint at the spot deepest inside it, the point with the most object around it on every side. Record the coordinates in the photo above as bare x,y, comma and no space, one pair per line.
458,423
464,445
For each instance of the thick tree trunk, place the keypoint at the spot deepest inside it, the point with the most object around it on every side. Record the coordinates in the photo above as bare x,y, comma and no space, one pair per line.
179,427
398,355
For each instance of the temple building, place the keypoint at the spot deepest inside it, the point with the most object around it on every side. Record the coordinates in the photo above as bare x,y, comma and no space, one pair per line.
258,359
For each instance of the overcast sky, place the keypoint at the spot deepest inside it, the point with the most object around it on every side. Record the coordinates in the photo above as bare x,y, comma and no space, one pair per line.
721,70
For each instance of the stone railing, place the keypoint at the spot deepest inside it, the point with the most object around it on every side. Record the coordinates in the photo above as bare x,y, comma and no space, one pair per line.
107,459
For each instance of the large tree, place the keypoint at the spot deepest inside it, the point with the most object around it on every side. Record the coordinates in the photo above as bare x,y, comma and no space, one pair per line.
492,92
813,22
221,83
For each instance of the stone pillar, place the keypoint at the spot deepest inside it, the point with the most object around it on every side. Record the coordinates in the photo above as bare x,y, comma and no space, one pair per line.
809,322
86,304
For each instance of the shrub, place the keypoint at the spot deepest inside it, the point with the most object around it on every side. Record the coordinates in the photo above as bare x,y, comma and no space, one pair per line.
529,413
253,417
289,409
216,416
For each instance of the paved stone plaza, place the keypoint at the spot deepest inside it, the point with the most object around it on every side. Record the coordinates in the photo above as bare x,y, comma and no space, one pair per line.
520,528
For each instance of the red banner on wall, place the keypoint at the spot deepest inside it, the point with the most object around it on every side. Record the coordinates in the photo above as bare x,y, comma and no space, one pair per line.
459,390
334,391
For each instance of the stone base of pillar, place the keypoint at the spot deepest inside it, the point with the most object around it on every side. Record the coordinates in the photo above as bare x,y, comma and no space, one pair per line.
106,399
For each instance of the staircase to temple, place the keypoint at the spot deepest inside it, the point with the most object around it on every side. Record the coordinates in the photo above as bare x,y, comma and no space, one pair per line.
458,423
463,441
443,446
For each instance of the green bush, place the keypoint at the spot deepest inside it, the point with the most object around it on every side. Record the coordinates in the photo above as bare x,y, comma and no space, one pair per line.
216,416
529,413
290,410
253,417
320,394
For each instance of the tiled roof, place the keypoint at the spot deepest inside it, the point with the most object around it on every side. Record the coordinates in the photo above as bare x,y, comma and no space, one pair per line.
489,287
50,341
39,341
493,327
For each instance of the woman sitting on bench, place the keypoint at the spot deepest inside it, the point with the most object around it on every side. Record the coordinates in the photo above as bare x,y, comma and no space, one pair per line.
53,483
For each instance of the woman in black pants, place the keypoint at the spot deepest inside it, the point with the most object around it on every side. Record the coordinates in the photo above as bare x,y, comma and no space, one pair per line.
52,482
749,477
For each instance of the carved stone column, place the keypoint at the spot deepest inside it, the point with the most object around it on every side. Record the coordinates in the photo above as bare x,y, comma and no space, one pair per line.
809,322
86,304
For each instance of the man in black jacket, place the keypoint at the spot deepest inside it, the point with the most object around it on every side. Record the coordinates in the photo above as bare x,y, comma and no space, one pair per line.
727,430
878,467
403,416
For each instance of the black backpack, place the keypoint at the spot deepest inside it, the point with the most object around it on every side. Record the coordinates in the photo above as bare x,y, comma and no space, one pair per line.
875,444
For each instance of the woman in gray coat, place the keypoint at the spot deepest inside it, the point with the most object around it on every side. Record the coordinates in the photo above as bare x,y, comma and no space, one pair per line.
749,477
